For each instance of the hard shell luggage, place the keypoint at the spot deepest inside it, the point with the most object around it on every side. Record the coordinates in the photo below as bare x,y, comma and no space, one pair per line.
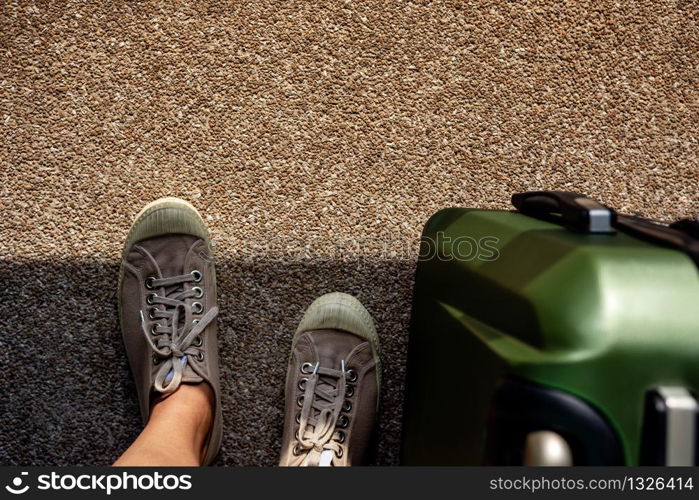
560,333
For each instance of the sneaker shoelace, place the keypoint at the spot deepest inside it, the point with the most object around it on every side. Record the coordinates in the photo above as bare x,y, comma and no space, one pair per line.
173,342
323,400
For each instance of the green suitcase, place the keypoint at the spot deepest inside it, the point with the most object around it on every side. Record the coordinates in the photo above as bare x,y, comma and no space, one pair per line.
562,333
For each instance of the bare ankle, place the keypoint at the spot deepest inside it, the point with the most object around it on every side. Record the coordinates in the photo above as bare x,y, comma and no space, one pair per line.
195,399
191,406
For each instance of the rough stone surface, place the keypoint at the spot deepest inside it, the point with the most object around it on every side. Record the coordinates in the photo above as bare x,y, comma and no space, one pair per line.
316,138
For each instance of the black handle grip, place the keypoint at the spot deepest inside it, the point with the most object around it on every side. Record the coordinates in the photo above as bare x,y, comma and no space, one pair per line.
572,210
688,226
682,235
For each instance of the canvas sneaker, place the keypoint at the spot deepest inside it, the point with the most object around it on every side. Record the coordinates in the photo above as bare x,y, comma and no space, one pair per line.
167,307
332,385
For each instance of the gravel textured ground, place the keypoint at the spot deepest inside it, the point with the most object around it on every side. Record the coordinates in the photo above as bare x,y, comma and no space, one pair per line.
316,138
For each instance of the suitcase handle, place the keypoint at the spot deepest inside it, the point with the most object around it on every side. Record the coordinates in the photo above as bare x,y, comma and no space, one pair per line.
571,210
682,235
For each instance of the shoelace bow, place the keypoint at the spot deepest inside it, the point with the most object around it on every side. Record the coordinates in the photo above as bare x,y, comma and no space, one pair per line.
173,341
322,404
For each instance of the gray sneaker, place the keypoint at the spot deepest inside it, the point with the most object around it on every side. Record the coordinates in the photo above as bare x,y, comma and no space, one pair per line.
332,385
167,306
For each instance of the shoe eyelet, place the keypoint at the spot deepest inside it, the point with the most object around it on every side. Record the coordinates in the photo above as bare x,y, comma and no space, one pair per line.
339,452
307,368
149,282
297,450
352,375
198,291
156,360
296,434
299,401
298,418
151,312
302,383
341,437
153,327
349,391
195,321
343,421
197,276
198,341
197,308
346,406
150,297
200,356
